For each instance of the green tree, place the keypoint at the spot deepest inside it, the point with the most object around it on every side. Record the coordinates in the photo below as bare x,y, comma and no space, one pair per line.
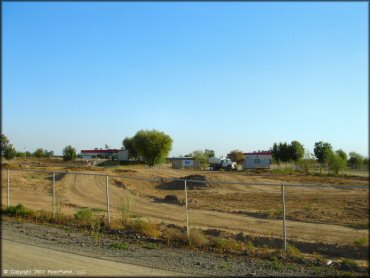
296,151
342,154
48,153
209,153
4,143
322,151
336,162
276,153
236,156
202,157
153,145
39,152
284,153
355,160
69,153
128,143
9,152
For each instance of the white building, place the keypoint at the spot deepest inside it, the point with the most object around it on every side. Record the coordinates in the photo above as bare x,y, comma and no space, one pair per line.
257,160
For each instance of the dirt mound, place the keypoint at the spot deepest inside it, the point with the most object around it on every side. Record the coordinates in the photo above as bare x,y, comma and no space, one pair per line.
192,182
170,199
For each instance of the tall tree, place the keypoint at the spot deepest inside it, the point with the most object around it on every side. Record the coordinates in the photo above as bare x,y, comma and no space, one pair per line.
128,143
276,152
322,151
39,152
284,153
153,145
69,153
9,152
236,156
4,143
355,159
209,153
336,162
342,154
296,151
202,157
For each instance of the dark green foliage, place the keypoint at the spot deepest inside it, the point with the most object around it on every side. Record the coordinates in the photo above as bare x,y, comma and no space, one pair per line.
69,153
9,152
209,153
129,145
39,153
296,151
322,151
84,215
18,210
355,159
4,143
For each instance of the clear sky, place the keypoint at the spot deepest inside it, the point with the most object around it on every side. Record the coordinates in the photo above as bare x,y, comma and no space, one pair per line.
220,76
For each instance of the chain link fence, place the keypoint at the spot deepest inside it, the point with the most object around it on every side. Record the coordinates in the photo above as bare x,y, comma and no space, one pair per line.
329,220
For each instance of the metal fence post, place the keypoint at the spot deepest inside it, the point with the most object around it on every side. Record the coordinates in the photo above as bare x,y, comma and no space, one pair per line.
284,226
8,203
186,211
53,195
108,201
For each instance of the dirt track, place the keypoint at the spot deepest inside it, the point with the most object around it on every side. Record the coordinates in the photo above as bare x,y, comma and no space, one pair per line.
215,207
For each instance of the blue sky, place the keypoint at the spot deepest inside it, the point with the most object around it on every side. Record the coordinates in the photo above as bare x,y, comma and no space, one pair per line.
220,76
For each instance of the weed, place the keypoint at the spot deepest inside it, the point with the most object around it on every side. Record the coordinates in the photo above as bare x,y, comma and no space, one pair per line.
84,215
150,245
146,228
197,238
278,265
119,246
292,250
95,226
220,243
224,265
174,237
363,241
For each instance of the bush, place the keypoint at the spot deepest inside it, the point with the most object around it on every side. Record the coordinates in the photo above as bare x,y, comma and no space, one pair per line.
197,238
175,237
84,215
146,228
119,246
18,210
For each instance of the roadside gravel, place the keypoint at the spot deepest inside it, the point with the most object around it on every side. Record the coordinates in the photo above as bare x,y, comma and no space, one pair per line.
195,263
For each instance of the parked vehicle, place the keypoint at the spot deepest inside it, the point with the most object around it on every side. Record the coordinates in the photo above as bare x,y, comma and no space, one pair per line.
222,163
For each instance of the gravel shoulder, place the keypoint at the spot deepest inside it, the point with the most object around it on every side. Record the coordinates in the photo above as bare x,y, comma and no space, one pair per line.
80,247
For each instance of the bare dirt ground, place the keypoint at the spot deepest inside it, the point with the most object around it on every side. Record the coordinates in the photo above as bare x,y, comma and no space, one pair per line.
328,215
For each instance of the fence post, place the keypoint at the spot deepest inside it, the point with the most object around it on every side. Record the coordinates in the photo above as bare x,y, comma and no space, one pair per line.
8,203
108,201
186,211
284,226
53,195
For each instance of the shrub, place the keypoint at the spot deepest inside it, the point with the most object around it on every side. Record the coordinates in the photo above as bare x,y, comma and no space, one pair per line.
174,237
292,250
196,237
18,210
84,215
146,228
150,245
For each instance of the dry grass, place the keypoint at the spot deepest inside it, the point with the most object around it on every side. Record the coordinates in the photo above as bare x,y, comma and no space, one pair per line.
197,238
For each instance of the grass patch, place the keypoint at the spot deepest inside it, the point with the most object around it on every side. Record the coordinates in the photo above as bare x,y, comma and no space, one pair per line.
363,241
84,215
294,251
119,246
145,228
278,265
151,245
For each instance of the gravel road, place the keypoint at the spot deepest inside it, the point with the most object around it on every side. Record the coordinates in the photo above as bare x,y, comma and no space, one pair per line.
39,247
